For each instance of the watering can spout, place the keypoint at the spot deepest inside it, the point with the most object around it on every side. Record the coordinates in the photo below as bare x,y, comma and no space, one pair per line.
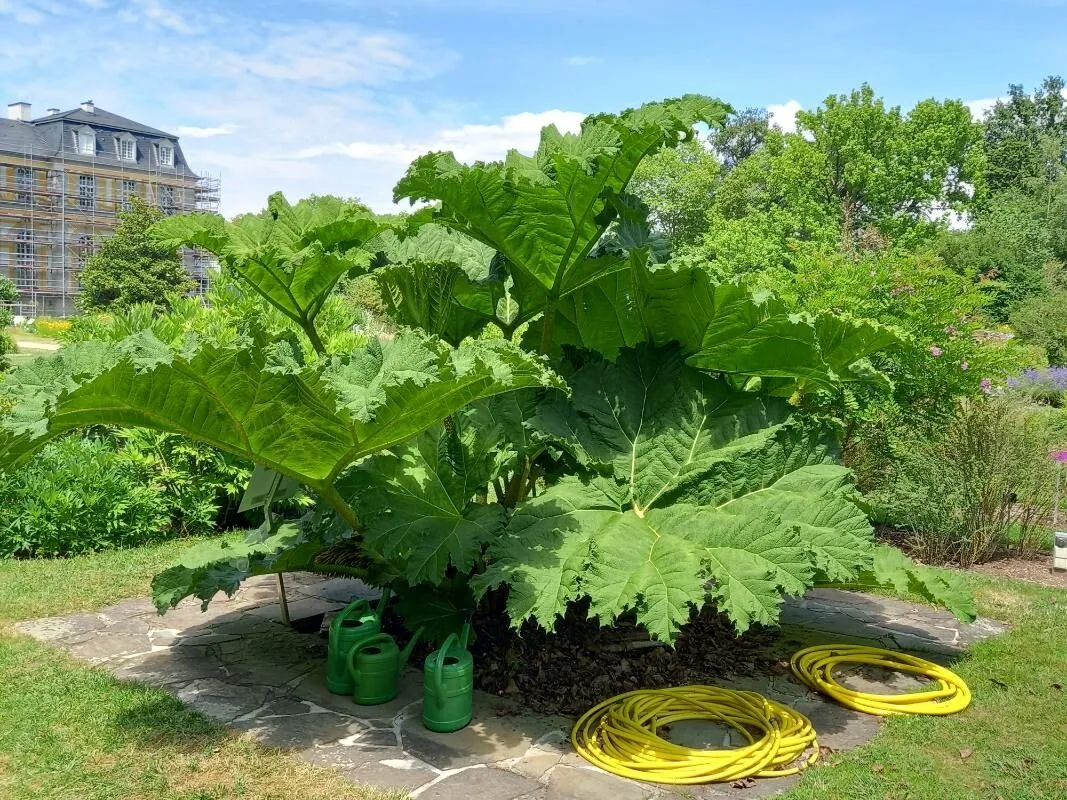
405,654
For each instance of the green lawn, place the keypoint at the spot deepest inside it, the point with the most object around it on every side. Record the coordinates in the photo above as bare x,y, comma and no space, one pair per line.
67,731
73,732
1011,743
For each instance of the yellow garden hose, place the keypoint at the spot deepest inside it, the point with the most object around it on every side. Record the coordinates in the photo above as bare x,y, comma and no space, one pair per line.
621,736
815,666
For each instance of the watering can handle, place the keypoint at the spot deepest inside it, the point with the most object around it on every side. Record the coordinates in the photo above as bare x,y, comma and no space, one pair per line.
378,637
351,607
382,601
438,678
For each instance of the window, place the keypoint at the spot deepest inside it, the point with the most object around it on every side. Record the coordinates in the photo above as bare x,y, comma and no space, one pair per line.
166,155
128,190
86,192
127,150
23,248
24,259
168,201
84,142
83,250
23,184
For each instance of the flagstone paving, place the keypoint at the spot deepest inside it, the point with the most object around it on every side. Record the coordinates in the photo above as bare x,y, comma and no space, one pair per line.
238,664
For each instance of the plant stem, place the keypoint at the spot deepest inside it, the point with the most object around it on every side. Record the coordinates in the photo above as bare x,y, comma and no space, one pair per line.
338,504
547,322
313,336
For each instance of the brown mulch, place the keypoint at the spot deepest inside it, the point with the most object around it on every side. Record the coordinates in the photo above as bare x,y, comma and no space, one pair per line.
1025,569
580,663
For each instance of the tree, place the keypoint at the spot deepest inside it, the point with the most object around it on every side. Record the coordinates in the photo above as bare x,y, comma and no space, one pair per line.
131,267
8,294
1025,138
741,136
854,171
678,185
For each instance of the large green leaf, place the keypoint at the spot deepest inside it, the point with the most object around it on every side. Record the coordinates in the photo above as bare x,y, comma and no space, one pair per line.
416,504
291,255
220,565
680,453
545,213
722,327
252,398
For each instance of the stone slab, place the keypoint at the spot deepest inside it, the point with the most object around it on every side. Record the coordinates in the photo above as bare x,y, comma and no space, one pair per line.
579,783
483,783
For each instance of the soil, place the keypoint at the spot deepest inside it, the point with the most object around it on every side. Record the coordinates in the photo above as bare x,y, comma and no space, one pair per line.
579,664
1024,569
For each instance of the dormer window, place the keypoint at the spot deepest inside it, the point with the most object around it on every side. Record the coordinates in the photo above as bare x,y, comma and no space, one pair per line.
84,141
165,154
127,148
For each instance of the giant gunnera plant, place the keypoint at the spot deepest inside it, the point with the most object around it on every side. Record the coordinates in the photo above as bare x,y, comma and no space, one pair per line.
563,414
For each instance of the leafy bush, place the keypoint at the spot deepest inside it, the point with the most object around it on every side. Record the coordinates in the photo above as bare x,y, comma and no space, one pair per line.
79,495
8,294
667,467
1042,320
202,486
978,487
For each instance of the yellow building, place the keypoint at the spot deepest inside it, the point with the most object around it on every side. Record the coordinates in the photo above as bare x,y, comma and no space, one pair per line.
63,179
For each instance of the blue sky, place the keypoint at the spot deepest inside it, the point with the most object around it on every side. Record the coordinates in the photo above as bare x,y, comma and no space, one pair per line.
336,96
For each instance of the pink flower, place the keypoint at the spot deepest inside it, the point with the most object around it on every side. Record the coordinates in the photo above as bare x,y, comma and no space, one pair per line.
935,351
987,385
964,366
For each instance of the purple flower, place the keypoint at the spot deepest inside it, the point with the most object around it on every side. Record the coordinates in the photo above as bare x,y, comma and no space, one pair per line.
935,351
1059,455
964,366
987,385
951,330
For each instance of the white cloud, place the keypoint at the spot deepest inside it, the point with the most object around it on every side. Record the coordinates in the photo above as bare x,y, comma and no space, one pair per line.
469,142
383,162
338,56
195,132
784,115
582,61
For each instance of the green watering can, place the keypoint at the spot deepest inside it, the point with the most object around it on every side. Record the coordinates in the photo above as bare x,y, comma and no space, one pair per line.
375,665
354,624
448,694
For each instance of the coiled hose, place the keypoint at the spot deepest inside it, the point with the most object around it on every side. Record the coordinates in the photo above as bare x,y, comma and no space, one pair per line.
621,736
815,666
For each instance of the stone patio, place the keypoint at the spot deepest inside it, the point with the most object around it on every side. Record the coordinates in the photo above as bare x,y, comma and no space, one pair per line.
237,663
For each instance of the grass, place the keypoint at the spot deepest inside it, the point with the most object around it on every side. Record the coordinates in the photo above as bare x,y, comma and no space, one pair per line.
69,731
1010,744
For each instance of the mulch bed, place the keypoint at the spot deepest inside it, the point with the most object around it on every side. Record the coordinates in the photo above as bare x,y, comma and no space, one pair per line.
580,663
1025,569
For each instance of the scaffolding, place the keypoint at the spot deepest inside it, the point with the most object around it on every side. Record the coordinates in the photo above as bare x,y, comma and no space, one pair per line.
53,213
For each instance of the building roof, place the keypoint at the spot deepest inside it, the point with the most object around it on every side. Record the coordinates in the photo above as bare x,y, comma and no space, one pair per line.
50,137
21,137
100,118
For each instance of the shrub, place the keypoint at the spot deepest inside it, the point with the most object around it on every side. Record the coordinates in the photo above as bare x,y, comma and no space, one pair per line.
77,496
978,487
1042,320
7,344
201,485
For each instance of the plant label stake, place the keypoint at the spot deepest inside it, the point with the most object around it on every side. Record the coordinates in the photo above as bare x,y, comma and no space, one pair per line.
1059,551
